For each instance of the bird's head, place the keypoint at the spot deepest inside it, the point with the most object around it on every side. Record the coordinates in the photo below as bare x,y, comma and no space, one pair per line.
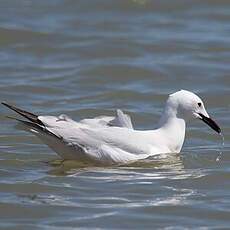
187,105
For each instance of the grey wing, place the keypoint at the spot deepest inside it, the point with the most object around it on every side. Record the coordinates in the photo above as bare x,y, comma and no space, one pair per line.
120,120
41,127
68,138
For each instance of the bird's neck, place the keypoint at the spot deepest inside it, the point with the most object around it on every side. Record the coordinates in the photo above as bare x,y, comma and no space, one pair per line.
173,128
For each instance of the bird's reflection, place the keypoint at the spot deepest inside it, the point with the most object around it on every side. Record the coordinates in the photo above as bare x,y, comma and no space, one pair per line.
164,161
161,161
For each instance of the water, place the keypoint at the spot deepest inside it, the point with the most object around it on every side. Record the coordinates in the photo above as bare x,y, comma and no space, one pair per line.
222,147
86,58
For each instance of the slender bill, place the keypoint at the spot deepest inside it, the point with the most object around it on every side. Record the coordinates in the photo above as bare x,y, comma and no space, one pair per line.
210,122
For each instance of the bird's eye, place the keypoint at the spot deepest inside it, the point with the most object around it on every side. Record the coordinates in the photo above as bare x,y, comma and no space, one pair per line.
199,104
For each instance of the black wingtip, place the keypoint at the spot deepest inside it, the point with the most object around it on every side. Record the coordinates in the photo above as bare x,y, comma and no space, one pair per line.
4,103
7,105
30,116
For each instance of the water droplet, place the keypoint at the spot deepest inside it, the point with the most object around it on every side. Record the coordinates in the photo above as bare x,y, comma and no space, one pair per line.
221,149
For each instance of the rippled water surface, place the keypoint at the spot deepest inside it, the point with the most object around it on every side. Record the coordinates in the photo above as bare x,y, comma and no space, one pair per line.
86,58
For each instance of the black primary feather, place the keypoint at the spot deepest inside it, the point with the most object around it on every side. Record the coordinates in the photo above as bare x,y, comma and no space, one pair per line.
30,116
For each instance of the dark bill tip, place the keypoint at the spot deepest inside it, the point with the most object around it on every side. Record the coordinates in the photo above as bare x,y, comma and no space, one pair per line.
210,122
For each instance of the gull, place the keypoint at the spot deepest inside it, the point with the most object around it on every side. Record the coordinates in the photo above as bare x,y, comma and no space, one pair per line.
113,140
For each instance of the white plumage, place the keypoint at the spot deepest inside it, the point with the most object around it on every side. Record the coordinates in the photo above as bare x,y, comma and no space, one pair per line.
112,140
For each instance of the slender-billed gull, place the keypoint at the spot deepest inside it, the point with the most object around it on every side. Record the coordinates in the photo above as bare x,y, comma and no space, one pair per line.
112,139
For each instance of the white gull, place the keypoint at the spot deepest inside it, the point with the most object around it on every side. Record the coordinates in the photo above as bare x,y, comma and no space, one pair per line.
112,140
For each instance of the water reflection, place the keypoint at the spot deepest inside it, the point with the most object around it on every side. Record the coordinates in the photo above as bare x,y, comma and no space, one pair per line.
166,161
170,166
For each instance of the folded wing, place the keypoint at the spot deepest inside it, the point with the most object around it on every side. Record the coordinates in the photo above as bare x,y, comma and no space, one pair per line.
67,137
120,120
